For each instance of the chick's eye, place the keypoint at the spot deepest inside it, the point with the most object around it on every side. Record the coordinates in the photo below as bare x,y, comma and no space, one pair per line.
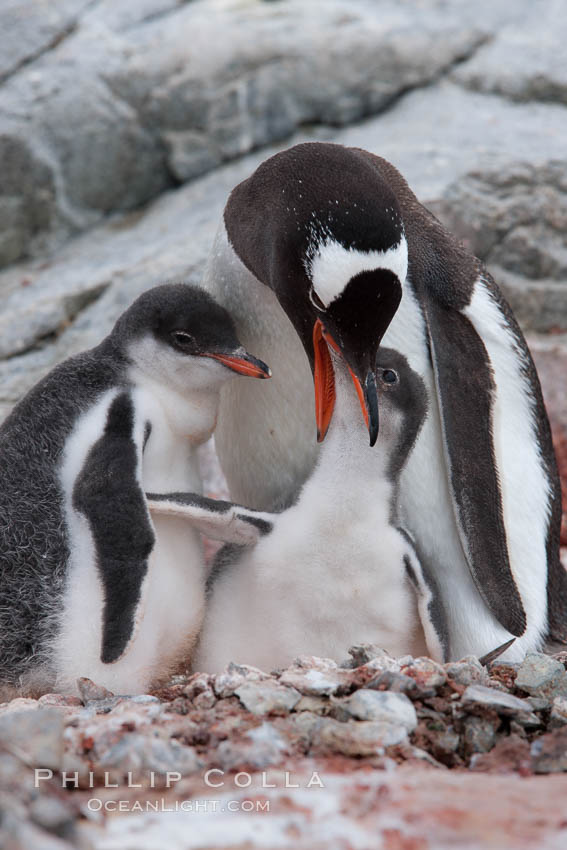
182,339
389,376
315,300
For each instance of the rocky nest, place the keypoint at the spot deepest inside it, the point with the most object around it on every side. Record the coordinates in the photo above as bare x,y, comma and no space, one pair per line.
372,710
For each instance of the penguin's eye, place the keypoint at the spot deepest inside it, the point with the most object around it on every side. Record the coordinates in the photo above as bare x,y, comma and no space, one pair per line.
389,376
181,339
316,301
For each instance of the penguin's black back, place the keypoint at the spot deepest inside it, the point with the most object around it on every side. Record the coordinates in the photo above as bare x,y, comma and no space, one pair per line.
33,534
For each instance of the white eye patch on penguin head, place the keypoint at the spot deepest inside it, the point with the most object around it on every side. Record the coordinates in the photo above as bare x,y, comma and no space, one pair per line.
331,267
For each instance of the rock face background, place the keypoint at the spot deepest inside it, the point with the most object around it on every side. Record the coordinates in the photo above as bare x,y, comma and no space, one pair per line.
106,108
123,127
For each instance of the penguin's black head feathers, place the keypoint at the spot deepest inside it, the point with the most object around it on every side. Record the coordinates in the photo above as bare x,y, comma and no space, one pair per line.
183,317
184,321
321,226
316,223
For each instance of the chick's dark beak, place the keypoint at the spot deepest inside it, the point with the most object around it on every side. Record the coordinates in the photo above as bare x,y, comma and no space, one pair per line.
367,393
371,400
242,362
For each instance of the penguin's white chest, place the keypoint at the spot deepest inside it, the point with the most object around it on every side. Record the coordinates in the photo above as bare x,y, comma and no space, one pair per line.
170,612
174,599
316,584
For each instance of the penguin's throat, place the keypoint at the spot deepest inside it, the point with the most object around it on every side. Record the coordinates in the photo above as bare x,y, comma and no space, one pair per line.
191,415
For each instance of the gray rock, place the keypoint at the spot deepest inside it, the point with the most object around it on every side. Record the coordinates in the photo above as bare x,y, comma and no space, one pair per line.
27,191
141,699
137,753
358,737
62,700
128,13
225,684
558,715
17,833
190,154
539,703
115,128
306,724
104,705
479,735
29,314
362,653
428,674
88,690
205,700
467,671
315,677
504,211
315,705
447,742
29,28
525,61
502,702
137,710
381,706
390,680
539,305
199,689
267,697
514,216
51,813
34,736
542,676
454,130
549,752
262,746
19,704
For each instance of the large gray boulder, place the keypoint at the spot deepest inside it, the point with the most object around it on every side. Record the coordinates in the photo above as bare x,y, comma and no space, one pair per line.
135,97
514,216
30,27
143,94
526,60
454,146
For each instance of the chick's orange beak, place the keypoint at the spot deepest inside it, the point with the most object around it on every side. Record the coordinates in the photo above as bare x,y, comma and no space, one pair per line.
244,364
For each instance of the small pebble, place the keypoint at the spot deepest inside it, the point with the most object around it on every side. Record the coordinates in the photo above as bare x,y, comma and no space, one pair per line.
267,697
89,691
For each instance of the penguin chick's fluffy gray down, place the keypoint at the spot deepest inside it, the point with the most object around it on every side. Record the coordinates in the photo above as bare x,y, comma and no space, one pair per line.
334,569
90,583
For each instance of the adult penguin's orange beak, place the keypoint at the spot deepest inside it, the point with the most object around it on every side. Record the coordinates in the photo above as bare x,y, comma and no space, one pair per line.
363,378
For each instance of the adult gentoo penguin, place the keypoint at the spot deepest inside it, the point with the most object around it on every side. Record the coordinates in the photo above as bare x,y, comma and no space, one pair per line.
314,246
90,583
334,569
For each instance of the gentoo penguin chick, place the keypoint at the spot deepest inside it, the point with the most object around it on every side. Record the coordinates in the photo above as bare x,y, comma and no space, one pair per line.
326,236
334,569
91,584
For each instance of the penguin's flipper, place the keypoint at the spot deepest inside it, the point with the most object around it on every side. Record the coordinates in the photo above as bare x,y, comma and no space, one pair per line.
108,493
214,518
466,392
429,604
